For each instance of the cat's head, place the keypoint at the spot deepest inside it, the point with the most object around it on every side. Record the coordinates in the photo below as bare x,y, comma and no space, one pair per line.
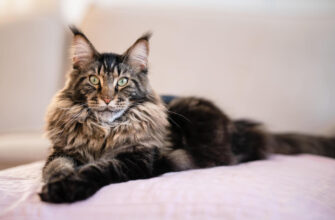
108,83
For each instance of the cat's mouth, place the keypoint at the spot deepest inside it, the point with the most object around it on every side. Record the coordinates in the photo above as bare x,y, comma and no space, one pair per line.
113,109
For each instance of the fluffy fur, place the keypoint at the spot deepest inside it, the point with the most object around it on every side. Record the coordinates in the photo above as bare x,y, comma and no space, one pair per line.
104,131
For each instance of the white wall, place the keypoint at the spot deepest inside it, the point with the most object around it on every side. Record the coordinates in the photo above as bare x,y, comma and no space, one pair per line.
274,67
32,58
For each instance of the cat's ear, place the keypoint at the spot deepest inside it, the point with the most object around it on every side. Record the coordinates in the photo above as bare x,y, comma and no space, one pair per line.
83,52
137,55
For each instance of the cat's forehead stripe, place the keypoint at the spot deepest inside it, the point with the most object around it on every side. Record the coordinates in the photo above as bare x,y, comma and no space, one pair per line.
105,65
119,70
112,64
101,69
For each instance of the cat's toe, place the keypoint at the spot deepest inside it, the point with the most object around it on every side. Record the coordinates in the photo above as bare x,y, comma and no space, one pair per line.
67,190
55,192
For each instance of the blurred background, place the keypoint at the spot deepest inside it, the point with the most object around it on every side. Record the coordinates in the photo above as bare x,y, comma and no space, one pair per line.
269,60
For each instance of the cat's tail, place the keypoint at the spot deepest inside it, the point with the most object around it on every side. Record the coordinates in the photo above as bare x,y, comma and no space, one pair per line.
256,143
293,143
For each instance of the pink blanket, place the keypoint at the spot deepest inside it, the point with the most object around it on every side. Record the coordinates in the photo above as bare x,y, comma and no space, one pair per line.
283,187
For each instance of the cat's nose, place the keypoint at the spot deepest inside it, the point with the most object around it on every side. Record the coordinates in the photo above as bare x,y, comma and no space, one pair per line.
107,100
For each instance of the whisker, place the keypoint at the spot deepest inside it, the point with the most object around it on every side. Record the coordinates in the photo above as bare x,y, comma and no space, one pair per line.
174,122
179,115
77,105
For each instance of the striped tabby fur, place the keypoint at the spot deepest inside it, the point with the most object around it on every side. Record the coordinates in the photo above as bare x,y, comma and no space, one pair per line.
104,131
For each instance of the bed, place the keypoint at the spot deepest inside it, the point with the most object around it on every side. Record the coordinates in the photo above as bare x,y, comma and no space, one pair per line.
282,187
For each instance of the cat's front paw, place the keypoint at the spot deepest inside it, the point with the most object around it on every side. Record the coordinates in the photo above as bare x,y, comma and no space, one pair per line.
67,189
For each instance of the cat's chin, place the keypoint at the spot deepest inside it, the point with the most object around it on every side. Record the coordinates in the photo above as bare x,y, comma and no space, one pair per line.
108,117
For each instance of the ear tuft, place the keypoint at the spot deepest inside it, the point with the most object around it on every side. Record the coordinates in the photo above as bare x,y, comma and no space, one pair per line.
75,30
83,52
146,36
137,54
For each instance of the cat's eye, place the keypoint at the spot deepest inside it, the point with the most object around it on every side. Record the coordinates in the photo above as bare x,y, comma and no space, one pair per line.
94,80
122,82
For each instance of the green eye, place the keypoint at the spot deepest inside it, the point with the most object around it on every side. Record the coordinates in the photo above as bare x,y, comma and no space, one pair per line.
122,82
94,80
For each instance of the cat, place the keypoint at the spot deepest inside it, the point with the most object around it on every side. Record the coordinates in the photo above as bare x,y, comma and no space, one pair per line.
108,125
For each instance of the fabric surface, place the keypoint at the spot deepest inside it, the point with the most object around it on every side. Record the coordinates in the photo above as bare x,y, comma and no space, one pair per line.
282,187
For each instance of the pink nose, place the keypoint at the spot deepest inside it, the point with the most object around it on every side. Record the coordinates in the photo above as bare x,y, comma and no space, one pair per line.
107,100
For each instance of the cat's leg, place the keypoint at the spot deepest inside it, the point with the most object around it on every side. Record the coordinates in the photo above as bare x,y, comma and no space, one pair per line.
57,167
89,178
60,166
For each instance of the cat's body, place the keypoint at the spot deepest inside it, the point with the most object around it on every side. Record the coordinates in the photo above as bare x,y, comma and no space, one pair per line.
107,125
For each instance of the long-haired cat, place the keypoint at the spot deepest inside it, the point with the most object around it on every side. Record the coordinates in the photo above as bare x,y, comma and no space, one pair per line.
107,125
